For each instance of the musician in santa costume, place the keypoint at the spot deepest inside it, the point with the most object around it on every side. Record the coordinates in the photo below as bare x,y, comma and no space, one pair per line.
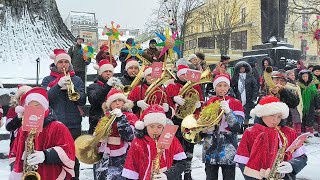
260,143
175,100
54,148
137,95
220,141
13,122
143,150
131,70
114,148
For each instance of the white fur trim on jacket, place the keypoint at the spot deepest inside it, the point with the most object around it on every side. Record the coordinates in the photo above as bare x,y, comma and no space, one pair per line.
270,109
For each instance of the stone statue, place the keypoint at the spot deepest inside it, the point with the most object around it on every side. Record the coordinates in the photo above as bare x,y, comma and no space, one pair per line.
273,19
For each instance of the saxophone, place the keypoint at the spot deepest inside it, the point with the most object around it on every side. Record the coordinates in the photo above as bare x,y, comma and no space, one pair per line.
274,175
156,161
30,172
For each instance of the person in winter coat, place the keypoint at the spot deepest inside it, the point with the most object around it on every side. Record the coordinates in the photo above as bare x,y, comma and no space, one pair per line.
311,101
300,66
77,60
98,91
175,100
131,70
202,60
260,143
115,147
254,63
138,165
296,113
54,153
316,75
138,93
152,53
13,121
266,62
68,112
245,87
104,54
123,55
220,142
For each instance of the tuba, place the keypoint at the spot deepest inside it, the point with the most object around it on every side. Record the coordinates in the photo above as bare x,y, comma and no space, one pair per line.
138,79
72,94
86,145
30,172
274,175
209,116
191,95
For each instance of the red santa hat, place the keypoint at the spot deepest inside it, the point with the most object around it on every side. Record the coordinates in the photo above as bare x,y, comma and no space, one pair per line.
220,78
270,105
21,90
147,71
182,69
103,65
113,95
35,94
60,54
131,62
153,114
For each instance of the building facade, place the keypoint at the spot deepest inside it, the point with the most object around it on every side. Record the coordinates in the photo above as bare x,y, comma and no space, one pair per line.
85,25
202,37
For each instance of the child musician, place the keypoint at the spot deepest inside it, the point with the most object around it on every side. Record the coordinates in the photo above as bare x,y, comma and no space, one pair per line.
220,142
115,148
139,163
138,93
262,143
175,100
54,151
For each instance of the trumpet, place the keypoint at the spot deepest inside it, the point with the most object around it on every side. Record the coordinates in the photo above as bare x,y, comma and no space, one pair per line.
72,94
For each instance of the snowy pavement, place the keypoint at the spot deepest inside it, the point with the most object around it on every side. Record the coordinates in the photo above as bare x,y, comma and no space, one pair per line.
310,172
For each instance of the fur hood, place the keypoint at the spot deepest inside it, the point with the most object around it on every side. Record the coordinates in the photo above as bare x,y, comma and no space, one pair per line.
242,64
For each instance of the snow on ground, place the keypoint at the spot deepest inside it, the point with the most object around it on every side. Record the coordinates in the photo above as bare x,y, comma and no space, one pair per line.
310,172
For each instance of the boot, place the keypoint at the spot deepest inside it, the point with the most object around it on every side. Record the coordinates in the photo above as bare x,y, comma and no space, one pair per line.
187,176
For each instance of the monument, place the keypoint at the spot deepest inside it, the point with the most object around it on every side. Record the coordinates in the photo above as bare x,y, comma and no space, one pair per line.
273,17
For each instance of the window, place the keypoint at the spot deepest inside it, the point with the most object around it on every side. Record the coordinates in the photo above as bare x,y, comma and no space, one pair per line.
305,20
243,15
239,40
206,42
304,44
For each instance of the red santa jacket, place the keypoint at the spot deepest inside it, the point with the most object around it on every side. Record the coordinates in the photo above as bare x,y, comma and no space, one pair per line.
259,146
138,164
55,136
174,89
118,141
138,93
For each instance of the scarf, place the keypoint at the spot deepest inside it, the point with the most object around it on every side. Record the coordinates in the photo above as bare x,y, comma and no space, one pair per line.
57,75
242,87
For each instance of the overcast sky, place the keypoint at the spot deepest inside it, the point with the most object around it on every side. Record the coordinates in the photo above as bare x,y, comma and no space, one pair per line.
127,13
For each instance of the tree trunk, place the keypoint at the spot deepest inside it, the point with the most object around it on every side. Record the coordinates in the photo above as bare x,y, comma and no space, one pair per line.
30,29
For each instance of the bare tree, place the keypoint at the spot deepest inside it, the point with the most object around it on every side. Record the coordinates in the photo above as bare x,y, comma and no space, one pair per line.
222,17
176,14
305,7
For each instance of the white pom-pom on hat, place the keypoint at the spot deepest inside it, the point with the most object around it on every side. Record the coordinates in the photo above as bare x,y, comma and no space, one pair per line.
52,56
139,125
19,109
96,66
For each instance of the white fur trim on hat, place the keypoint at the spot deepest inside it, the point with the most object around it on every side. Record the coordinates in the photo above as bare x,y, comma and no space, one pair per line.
132,63
62,56
155,118
219,80
192,56
105,67
182,71
270,109
39,98
21,90
147,72
19,109
115,97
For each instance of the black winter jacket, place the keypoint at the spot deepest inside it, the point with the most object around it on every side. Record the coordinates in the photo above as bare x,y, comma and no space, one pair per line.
67,111
79,64
126,79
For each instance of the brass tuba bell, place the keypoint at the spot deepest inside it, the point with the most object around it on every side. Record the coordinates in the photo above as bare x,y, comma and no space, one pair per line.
209,116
